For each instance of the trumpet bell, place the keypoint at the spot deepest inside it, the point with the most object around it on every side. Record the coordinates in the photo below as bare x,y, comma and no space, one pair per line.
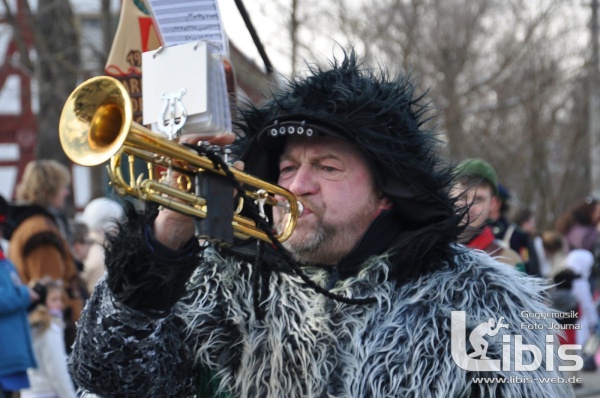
95,121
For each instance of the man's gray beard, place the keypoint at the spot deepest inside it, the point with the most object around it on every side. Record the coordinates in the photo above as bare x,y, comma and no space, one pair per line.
329,243
326,245
306,252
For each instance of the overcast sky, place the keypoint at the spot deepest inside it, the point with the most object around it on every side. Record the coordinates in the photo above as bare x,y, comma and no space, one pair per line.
238,33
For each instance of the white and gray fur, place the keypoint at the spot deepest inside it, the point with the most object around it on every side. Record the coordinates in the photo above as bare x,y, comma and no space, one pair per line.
308,345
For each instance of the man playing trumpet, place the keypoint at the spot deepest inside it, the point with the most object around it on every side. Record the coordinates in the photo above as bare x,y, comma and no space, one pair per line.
356,303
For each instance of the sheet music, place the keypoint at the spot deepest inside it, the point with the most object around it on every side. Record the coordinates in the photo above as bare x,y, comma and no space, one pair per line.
195,87
184,21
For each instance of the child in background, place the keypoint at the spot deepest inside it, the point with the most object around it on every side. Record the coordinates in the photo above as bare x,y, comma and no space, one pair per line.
51,379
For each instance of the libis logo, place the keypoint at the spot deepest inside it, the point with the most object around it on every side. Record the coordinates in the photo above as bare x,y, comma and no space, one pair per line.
515,352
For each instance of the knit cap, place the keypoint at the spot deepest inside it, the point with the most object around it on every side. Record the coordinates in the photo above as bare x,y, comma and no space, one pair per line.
478,168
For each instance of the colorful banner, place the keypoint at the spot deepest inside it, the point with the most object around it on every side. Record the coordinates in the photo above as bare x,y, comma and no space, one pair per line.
135,34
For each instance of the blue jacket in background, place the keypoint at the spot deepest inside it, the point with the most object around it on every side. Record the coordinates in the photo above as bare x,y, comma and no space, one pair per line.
16,353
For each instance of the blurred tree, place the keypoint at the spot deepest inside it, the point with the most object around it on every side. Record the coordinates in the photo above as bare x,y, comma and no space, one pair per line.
57,69
505,77
302,30
58,63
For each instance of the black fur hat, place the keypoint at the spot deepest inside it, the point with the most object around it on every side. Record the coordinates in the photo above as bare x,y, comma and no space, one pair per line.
384,118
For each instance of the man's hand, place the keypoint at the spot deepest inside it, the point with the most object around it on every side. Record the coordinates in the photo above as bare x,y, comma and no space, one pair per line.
174,229
220,139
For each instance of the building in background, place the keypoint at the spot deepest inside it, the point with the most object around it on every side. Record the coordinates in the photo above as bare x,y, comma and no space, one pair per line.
19,98
19,103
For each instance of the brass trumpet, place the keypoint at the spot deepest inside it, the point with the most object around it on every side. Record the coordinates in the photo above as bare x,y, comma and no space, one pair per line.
97,124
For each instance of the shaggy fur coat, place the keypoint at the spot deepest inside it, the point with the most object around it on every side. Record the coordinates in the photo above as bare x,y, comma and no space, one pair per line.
308,345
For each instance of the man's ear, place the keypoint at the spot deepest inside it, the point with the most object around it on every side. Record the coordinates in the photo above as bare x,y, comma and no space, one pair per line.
385,202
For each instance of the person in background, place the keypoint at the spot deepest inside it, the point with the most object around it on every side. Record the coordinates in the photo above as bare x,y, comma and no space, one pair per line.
510,233
4,243
39,246
475,186
555,251
579,224
16,351
581,261
51,378
101,215
81,244
80,247
524,220
564,301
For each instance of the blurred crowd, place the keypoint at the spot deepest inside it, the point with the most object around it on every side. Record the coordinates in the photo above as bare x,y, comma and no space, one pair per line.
49,265
566,256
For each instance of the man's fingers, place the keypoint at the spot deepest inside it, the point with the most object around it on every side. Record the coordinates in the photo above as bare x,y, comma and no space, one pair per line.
219,139
223,139
238,164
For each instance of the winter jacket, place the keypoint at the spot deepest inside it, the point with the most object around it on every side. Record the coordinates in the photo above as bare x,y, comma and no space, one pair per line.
38,250
16,353
304,344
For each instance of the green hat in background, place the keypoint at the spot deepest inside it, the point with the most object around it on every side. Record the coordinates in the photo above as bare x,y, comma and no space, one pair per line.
478,168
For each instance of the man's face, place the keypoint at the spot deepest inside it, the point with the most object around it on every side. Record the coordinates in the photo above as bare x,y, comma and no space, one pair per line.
478,198
333,182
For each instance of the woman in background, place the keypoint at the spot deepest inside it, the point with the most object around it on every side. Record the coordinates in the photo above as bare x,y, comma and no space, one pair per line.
579,225
39,245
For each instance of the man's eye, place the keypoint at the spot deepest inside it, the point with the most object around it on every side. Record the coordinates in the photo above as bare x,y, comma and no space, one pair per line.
329,169
286,169
330,172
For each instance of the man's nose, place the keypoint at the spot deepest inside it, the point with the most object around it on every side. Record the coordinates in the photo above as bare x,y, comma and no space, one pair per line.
304,181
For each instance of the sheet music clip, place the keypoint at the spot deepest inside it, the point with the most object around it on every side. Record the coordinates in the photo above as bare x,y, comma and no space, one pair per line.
197,70
169,123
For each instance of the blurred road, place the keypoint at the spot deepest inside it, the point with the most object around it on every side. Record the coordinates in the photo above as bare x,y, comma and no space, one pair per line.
591,385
